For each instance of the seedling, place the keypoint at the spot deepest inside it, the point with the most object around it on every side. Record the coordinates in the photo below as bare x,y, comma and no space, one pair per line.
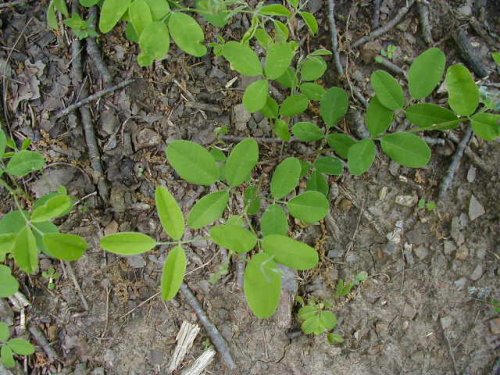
389,51
9,347
51,275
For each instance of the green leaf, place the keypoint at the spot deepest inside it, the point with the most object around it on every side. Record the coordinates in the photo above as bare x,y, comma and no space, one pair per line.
361,156
241,161
54,207
6,245
310,21
88,3
8,284
486,125
193,162
132,36
256,95
274,221
282,131
25,251
333,106
271,108
463,93
312,68
307,132
154,42
340,143
406,149
7,357
496,57
426,72
316,321
242,59
3,143
233,237
187,34
378,117
426,115
263,38
174,270
288,79
21,346
159,8
262,285
61,6
305,167
293,3
208,209
318,182
334,338
312,90
285,177
251,200
294,105
214,11
65,246
388,90
321,52
289,252
25,162
4,329
275,10
171,217
111,12
309,207
278,59
140,15
52,16
329,165
127,243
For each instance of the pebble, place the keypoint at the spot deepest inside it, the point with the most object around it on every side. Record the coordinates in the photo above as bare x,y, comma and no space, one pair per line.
146,138
109,122
449,247
406,200
111,228
462,253
495,326
446,321
241,117
421,252
136,261
475,208
477,273
471,174
460,283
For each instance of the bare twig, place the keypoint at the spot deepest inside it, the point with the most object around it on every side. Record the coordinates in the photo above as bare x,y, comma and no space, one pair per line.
423,13
389,25
72,276
214,334
185,339
40,339
376,14
94,52
467,53
334,37
389,65
471,154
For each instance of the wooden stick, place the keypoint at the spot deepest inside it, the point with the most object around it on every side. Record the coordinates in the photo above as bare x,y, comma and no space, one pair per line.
40,339
94,52
423,13
185,339
334,37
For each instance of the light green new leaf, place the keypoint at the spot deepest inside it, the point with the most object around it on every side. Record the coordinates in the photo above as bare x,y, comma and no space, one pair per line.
7,241
361,156
406,149
174,270
208,209
388,90
111,12
333,106
278,59
262,285
88,3
4,328
311,22
193,162
233,237
426,72
171,217
486,125
312,90
52,16
274,221
329,165
316,321
214,11
127,243
426,115
154,42
21,346
61,6
282,131
3,143
159,8
288,79
340,143
25,251
187,33
289,252
7,357
463,93
285,177
307,132
312,68
24,162
241,161
271,108
318,182
242,59
309,207
256,95
140,15
252,200
294,105
378,118
275,10
8,283
65,246
54,207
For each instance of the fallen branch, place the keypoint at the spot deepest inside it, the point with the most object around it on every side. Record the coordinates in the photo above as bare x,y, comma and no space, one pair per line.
423,13
467,53
214,334
334,37
376,14
94,52
40,339
389,25
471,154
434,141
389,65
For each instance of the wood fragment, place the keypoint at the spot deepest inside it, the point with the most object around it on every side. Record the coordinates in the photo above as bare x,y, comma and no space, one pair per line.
334,37
185,338
376,14
214,334
40,339
287,300
388,26
389,65
201,363
423,13
94,52
468,54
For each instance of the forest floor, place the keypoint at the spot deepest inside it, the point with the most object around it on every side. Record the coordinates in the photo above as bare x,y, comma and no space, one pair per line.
426,305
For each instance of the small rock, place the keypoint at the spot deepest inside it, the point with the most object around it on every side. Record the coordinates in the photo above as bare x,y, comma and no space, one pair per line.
109,123
409,312
136,261
421,252
462,253
449,247
471,174
446,321
241,117
477,273
475,208
335,254
146,138
406,200
460,283
495,326
111,228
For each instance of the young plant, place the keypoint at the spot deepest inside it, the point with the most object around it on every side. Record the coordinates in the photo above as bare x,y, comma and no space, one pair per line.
52,276
12,346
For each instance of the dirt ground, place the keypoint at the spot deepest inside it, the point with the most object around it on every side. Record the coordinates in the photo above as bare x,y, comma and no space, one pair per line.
426,306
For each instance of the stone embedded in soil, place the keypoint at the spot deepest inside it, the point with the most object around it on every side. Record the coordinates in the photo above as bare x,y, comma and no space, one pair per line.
495,326
241,117
446,322
421,252
460,283
477,273
136,261
449,247
462,253
146,138
109,122
471,174
456,233
476,209
111,228
407,200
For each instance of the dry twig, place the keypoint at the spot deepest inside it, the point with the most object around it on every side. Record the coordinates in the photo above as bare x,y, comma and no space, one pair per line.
94,52
334,37
423,13
471,154
467,53
72,276
40,339
201,363
389,65
376,14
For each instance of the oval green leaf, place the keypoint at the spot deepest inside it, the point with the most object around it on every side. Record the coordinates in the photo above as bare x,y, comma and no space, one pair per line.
8,283
187,33
361,156
154,42
333,106
65,246
426,72
289,252
54,207
173,273
127,243
241,161
378,118
25,162
111,12
21,346
463,93
318,182
340,143
171,217
275,10
159,8
388,90
309,207
271,108
310,21
486,125
307,132
312,90
426,115
288,79
208,209
285,177
278,59
294,105
139,15
406,149
313,68
282,131
233,237
25,251
274,221
242,59
256,95
329,165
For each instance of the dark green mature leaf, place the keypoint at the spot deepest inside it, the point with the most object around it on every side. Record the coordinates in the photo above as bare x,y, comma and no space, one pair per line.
24,162
463,93
233,237
140,15
312,90
312,68
159,8
318,182
262,285
111,12
288,79
333,106
278,59
154,42
275,10
426,72
169,212
310,21
242,59
25,251
208,209
285,177
187,33
378,117
256,95
241,161
426,115
289,252
54,207
329,165
388,90
65,246
21,346
309,207
274,221
307,132
294,105
172,276
340,143
193,162
361,156
406,149
282,131
127,243
271,108
486,125
8,283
